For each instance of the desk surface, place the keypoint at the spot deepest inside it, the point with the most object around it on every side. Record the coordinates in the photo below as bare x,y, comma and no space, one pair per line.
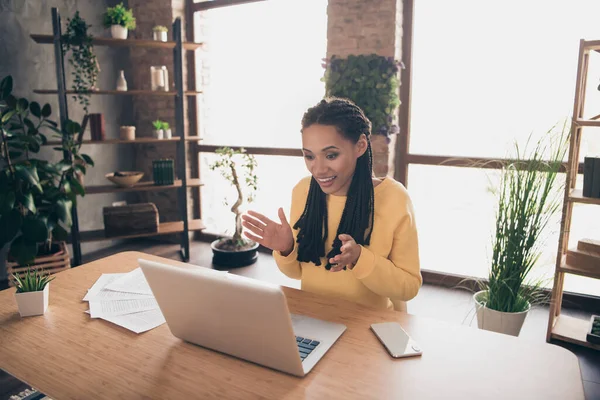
67,355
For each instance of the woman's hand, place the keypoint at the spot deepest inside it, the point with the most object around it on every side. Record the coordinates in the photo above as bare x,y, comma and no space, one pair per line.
275,236
349,256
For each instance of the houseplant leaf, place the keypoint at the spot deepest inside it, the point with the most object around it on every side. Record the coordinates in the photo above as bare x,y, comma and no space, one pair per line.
23,250
35,229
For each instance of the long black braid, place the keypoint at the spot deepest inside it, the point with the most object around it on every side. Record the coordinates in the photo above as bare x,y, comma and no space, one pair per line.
357,217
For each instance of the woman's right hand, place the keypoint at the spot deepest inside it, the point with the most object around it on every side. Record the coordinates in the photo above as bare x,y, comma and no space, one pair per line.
275,236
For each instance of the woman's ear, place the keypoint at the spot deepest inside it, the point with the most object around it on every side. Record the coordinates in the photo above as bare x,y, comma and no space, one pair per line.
362,145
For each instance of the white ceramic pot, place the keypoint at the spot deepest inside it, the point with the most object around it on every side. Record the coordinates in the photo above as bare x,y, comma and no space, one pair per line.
160,36
127,133
158,134
498,321
33,303
118,32
167,133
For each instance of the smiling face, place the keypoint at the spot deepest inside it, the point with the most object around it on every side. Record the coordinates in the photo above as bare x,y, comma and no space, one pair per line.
330,157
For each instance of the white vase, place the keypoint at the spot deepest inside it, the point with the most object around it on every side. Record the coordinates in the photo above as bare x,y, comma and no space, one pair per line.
33,303
158,134
118,32
121,82
160,36
167,133
498,321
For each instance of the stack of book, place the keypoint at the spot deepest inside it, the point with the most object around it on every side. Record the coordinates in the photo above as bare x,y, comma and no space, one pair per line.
163,171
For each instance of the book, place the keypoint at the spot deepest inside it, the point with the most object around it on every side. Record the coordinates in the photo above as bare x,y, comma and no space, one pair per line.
588,176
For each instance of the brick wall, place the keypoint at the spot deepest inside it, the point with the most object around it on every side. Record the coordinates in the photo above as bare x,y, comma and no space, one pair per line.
367,27
149,13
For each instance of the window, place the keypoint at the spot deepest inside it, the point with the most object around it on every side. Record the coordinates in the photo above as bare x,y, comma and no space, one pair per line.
262,70
486,74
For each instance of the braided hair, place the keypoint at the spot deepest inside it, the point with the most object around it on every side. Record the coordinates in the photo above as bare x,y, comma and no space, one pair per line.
357,217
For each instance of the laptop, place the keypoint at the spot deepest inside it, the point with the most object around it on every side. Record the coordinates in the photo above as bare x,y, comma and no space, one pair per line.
238,316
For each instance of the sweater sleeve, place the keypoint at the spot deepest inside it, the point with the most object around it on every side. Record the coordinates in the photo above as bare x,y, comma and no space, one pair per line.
399,275
289,264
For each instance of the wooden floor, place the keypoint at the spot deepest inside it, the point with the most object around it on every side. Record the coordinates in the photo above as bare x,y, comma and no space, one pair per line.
451,305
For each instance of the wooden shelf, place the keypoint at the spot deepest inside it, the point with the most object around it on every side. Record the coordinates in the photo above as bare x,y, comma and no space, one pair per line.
110,42
576,196
165,228
572,330
587,122
121,92
572,269
136,141
140,187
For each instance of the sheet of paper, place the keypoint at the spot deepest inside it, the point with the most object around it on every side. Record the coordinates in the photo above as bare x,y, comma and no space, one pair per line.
101,309
100,284
138,322
132,282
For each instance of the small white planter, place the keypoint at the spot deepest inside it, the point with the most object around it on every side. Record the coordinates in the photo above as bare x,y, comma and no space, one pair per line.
167,133
33,303
158,133
497,321
160,36
118,32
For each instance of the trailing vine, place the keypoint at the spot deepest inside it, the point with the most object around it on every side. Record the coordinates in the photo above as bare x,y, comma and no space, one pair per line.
83,60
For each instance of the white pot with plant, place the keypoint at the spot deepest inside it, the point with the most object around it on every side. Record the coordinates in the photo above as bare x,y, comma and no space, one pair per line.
166,130
236,251
159,33
120,20
529,196
32,292
158,132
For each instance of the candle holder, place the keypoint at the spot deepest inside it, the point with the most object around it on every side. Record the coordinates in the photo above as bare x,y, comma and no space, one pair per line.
159,76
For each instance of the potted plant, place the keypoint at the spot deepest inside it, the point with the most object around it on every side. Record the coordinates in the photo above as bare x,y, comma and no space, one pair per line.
32,293
159,33
158,132
235,251
529,196
36,195
166,130
86,68
120,20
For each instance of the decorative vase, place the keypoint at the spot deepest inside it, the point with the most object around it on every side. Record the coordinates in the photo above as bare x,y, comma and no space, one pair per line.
160,36
167,133
127,133
159,76
121,82
33,303
158,134
118,32
498,321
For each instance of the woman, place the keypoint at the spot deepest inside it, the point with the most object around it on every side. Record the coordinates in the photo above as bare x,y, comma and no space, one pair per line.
354,236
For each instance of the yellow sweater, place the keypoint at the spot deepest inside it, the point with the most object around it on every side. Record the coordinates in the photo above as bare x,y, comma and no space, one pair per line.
387,272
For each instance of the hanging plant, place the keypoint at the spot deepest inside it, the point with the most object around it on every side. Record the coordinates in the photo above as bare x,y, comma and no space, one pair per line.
83,60
370,81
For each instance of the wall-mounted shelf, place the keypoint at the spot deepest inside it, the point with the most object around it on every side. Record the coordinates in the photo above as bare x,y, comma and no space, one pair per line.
110,42
577,196
140,187
120,92
141,140
165,228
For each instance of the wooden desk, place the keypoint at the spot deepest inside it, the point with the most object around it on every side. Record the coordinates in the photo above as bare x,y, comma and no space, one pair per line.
67,355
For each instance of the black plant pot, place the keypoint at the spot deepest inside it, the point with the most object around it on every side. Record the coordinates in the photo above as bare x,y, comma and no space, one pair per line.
233,258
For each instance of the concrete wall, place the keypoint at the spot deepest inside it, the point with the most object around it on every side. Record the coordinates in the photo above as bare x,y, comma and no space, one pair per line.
32,67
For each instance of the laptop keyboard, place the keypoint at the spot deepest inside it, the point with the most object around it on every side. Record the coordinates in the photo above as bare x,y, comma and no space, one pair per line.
305,346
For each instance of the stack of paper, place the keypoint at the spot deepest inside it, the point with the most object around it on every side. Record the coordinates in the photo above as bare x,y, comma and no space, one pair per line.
125,300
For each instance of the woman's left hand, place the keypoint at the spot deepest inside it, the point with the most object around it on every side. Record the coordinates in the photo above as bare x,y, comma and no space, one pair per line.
350,254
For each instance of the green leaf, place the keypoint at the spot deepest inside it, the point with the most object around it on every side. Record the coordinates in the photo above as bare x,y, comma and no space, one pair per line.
15,154
29,175
27,201
7,202
29,125
63,210
77,188
8,116
9,225
63,166
72,127
81,168
88,160
35,109
6,87
59,233
22,105
23,250
11,101
35,229
46,111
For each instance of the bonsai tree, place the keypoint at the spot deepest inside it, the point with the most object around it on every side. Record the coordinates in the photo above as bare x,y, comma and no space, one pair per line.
36,196
226,164
119,15
529,196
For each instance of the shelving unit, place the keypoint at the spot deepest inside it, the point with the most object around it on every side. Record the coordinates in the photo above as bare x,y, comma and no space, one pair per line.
184,226
562,327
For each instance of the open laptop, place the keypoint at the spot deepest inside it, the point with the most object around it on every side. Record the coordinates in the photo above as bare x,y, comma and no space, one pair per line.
239,316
